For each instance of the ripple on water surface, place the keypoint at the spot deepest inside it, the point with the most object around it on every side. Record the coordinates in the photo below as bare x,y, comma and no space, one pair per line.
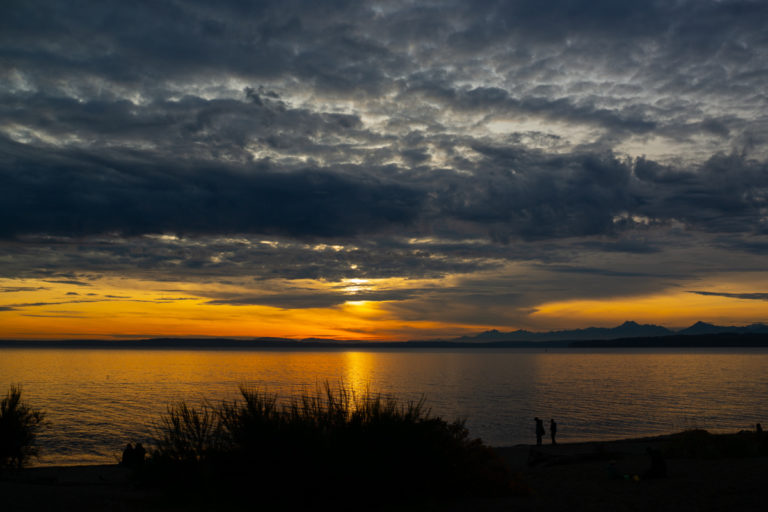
97,400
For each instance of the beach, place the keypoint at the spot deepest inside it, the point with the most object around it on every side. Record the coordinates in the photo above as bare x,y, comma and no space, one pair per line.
609,476
591,476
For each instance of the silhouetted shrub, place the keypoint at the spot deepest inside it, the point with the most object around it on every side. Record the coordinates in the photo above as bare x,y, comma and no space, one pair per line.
331,445
19,425
700,444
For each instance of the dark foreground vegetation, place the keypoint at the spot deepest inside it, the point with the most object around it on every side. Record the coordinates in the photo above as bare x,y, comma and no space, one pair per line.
19,425
332,445
700,444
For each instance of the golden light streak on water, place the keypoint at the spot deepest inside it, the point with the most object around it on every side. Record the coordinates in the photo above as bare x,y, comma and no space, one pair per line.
359,371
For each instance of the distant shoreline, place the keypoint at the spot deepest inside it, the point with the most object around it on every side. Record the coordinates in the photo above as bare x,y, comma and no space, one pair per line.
721,340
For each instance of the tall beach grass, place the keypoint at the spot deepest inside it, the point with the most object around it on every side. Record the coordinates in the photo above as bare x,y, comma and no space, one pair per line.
330,444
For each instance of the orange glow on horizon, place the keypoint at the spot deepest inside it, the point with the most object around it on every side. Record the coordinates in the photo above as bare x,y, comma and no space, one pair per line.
677,309
116,308
129,309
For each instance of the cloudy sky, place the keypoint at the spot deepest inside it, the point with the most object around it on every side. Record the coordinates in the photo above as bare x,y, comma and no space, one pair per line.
380,170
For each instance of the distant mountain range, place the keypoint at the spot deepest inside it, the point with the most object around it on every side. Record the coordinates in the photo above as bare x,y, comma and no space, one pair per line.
705,328
628,329
629,334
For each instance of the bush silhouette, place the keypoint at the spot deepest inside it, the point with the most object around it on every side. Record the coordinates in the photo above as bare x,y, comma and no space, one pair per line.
328,445
700,444
19,425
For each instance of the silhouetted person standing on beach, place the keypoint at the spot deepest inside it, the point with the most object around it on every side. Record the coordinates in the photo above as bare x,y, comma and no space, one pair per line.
128,455
539,430
138,454
553,430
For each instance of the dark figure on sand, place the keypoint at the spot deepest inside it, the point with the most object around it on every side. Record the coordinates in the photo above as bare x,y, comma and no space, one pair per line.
138,454
539,430
127,455
553,430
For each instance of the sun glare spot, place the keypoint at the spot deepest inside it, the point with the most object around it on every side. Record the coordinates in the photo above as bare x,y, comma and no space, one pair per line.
164,238
636,219
325,247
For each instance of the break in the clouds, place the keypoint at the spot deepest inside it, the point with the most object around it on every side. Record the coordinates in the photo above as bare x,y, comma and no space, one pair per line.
509,153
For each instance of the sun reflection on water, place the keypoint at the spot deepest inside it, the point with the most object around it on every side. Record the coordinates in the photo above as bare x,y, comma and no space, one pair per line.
358,372
97,400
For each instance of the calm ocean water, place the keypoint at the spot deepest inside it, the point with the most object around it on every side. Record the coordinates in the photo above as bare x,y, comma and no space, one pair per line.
97,400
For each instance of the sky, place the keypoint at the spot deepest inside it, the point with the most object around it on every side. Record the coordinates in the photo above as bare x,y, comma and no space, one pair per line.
380,170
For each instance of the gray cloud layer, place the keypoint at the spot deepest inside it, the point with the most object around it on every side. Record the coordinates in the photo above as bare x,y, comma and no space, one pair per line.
548,131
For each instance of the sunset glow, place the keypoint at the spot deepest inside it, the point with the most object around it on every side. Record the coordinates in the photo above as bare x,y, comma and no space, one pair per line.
126,308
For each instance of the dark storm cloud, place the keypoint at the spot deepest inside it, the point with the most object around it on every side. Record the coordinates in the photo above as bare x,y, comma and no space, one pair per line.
515,192
216,259
499,102
728,193
747,296
186,165
533,195
188,128
136,45
81,194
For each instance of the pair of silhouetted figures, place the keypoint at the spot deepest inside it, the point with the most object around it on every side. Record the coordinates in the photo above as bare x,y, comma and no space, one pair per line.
540,430
133,456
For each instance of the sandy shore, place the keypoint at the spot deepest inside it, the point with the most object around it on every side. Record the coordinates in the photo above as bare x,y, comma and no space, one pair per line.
593,476
601,477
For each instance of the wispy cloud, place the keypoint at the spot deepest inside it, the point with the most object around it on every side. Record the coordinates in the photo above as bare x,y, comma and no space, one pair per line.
68,281
746,296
